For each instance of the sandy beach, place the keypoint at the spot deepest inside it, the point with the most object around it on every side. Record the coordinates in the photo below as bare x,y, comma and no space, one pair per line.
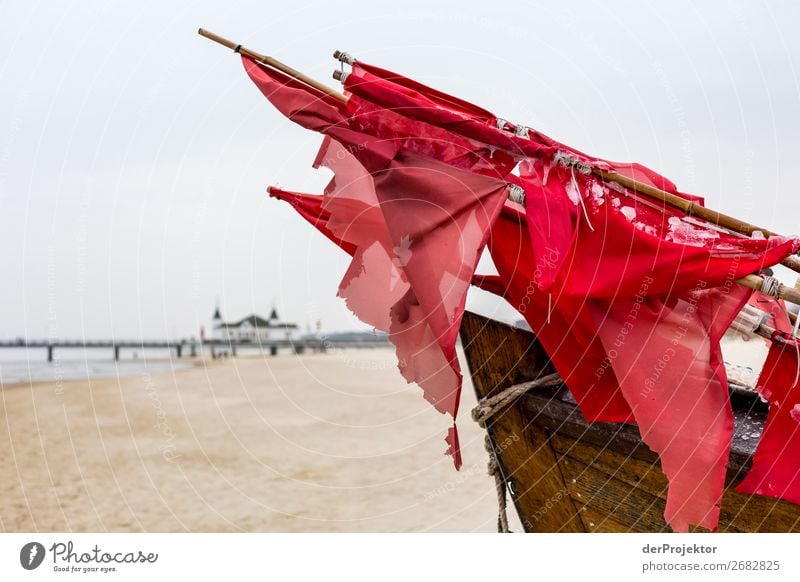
322,443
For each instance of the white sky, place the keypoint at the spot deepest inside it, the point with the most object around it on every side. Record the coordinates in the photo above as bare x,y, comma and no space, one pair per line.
134,155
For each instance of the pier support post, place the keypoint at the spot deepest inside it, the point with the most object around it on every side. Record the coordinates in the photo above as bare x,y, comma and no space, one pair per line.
178,350
50,354
273,350
116,353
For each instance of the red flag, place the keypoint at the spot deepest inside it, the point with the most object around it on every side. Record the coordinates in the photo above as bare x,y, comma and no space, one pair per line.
561,322
667,359
776,463
310,208
553,205
637,351
599,272
417,226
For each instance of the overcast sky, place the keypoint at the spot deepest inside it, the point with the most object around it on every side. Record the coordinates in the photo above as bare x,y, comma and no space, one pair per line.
134,154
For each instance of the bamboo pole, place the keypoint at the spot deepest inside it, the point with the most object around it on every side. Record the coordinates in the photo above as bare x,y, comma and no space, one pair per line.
274,63
693,209
764,331
785,292
688,206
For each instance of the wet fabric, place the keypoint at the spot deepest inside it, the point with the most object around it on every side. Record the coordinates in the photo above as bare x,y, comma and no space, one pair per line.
776,464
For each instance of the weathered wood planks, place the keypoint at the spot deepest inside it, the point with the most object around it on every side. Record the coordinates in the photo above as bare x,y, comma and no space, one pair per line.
570,475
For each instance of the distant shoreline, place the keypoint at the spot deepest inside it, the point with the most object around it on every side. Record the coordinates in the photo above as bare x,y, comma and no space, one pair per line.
65,371
12,372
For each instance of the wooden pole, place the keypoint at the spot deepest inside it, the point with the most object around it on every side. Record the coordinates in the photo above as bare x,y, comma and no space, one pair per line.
274,63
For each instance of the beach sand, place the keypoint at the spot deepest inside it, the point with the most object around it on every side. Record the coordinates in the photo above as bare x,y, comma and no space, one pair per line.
320,442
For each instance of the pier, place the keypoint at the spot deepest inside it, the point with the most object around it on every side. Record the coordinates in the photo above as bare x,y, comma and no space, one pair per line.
190,348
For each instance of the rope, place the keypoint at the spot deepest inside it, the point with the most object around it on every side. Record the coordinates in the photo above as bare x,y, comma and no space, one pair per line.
522,131
573,163
570,161
770,286
344,57
500,488
580,198
485,410
516,194
490,406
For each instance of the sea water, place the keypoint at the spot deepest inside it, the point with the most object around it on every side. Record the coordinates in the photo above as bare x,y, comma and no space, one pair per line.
31,365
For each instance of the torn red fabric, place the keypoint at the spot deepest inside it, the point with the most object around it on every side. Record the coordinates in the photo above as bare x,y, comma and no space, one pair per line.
627,239
414,100
417,226
611,282
491,283
650,351
666,356
415,256
561,323
553,206
310,208
776,463
355,216
438,233
299,102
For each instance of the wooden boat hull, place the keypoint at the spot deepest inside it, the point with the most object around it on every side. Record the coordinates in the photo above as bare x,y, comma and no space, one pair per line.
566,475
